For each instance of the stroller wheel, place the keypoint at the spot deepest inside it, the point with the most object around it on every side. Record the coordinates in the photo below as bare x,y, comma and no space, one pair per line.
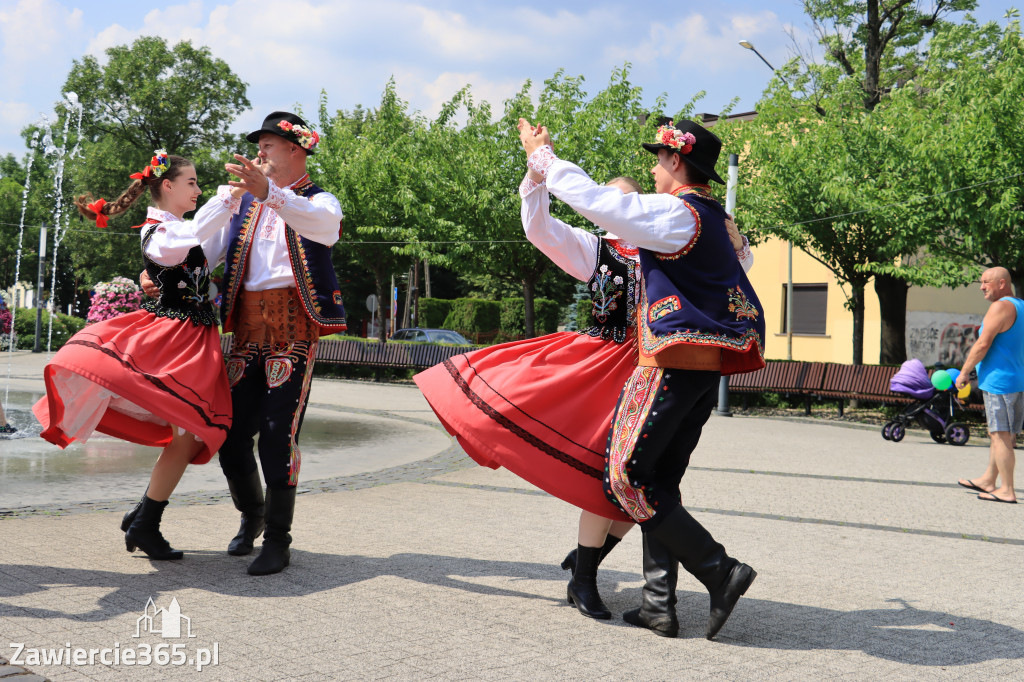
938,436
886,429
958,433
897,432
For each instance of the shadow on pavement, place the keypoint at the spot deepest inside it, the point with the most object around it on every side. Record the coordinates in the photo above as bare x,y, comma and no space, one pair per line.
903,633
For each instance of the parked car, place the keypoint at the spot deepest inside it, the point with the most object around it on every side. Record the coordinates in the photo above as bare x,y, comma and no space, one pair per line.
431,336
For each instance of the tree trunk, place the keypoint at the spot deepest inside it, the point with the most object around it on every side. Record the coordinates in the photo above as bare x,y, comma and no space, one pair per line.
857,306
528,313
382,309
892,303
1017,279
872,56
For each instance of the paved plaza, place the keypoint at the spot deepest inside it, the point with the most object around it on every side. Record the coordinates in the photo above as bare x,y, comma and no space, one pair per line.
872,564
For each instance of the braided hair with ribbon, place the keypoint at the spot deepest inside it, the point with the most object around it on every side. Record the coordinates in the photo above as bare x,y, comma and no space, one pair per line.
162,166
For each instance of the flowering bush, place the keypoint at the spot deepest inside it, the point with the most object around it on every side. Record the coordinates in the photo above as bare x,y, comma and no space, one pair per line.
111,299
5,320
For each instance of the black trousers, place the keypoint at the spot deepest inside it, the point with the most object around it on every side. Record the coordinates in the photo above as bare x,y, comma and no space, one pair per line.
269,391
655,428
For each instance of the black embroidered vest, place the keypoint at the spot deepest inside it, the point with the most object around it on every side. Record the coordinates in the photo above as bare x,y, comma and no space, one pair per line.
315,279
613,291
184,288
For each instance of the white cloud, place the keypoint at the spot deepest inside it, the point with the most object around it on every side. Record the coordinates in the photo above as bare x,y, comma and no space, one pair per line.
37,36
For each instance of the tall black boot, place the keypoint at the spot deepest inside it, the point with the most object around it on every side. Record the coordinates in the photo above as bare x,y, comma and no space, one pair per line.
129,516
569,563
725,578
275,555
144,532
582,589
658,611
247,494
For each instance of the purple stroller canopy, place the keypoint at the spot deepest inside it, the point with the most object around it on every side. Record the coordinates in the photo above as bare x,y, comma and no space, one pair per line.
912,380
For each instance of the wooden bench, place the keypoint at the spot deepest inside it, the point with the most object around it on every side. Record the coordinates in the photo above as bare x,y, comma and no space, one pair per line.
785,377
376,354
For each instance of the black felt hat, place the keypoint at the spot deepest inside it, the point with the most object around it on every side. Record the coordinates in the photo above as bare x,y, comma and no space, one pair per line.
695,144
290,127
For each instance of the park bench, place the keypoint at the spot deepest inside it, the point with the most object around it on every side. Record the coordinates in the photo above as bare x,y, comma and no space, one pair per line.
785,377
375,354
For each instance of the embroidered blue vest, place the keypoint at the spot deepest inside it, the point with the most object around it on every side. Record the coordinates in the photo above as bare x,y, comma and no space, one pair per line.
700,294
314,274
613,291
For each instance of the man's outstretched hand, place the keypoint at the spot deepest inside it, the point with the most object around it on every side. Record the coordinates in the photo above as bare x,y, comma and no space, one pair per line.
532,137
250,177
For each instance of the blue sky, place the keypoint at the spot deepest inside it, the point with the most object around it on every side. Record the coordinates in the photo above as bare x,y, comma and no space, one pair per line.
287,51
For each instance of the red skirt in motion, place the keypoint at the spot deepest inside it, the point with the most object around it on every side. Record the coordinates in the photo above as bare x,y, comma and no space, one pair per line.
137,377
541,408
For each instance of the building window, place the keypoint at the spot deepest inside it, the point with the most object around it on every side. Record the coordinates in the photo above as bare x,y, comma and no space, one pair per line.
810,302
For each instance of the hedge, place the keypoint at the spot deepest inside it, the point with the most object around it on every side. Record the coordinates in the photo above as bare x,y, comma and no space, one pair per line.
64,327
434,312
546,315
473,315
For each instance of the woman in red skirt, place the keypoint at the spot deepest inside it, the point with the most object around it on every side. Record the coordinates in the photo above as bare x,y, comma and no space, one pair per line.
154,376
542,407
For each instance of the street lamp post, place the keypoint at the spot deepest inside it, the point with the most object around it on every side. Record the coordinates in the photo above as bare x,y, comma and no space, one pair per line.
789,276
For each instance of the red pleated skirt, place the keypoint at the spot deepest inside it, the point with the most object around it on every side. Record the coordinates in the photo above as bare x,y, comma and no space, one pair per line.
137,377
541,408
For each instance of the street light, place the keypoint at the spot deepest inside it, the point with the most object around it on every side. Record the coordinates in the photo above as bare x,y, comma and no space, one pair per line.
789,278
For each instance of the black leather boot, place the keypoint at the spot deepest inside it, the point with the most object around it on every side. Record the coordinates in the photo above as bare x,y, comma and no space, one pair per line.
569,563
144,532
582,589
129,516
275,555
247,494
725,578
658,611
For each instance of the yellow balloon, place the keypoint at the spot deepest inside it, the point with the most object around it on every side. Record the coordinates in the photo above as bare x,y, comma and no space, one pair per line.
964,392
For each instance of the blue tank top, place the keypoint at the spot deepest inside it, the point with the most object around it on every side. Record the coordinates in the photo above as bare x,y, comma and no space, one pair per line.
1002,369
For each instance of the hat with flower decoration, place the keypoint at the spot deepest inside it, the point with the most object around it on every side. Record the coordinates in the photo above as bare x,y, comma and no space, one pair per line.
695,145
290,127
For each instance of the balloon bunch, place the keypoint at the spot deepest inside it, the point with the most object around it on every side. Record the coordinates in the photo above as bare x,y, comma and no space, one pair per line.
945,379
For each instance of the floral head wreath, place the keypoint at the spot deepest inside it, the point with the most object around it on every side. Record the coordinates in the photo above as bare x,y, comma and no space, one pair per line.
669,135
157,166
304,137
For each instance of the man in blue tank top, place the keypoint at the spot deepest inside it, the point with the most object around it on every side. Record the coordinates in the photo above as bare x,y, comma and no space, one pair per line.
998,355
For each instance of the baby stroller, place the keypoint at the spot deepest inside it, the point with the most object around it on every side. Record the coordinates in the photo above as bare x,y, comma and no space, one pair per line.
934,410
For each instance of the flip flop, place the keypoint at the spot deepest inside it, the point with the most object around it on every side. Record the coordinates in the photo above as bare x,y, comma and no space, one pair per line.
993,498
971,485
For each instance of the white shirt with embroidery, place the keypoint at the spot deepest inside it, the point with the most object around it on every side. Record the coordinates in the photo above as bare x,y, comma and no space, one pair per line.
317,218
570,248
174,237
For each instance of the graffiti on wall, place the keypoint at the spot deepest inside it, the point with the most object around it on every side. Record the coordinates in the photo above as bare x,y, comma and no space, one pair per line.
941,337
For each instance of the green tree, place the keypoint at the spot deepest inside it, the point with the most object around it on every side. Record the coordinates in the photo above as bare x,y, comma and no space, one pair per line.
147,95
826,144
964,127
368,159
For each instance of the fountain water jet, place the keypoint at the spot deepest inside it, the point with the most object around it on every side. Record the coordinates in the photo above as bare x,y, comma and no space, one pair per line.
17,261
58,186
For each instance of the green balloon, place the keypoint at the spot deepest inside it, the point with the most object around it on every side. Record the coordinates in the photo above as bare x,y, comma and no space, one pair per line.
941,380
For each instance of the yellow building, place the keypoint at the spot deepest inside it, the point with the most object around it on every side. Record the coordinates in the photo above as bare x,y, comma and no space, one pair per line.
941,323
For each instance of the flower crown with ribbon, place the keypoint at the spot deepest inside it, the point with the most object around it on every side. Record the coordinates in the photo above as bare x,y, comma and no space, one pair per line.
157,167
304,137
677,139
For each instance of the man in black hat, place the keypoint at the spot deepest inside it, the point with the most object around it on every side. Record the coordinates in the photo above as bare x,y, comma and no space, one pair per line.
698,319
280,295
